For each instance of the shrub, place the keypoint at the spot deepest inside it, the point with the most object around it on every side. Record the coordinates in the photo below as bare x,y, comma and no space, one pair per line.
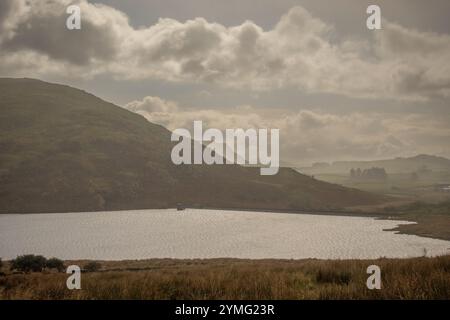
29,262
1,263
333,276
92,266
55,263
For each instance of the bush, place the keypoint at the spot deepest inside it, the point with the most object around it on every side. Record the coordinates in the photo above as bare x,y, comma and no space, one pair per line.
333,276
1,263
29,262
92,266
55,263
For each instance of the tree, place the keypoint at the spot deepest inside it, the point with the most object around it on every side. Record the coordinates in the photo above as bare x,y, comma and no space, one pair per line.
374,173
29,262
55,263
92,266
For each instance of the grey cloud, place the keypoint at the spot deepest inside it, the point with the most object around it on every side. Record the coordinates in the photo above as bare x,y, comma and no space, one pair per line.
81,47
10,13
397,41
394,63
170,39
41,28
307,136
419,60
6,6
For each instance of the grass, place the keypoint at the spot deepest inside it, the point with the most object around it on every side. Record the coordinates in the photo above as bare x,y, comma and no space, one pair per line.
417,278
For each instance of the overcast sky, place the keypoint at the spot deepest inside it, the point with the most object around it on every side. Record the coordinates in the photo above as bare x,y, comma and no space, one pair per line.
336,90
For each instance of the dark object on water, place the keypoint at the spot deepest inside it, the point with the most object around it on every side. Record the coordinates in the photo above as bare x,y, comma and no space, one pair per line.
180,207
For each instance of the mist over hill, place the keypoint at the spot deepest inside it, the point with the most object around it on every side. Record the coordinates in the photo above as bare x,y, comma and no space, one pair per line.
62,149
397,165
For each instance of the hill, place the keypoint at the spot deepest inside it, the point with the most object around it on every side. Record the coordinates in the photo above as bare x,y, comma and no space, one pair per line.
62,149
397,165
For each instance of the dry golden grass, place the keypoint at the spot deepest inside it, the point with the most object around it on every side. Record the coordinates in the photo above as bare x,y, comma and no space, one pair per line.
418,278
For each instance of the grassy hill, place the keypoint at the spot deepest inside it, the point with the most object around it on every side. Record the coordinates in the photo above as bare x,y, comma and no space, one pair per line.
62,149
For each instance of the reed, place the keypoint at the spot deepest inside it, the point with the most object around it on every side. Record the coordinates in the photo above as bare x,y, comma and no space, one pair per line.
417,278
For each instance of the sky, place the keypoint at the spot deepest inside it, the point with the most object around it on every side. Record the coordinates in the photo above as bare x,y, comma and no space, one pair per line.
334,88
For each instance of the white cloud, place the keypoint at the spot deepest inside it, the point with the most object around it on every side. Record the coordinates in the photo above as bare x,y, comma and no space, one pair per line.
307,136
395,63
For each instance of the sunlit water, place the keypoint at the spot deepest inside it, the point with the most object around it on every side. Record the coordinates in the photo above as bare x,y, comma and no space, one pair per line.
193,233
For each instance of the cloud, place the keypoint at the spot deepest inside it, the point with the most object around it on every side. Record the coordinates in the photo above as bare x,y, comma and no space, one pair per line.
35,40
300,51
419,60
170,115
307,136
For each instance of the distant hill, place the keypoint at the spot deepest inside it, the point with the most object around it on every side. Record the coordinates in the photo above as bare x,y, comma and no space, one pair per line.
397,165
62,149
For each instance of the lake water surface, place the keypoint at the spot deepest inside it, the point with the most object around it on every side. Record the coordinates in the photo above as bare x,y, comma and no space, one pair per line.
192,233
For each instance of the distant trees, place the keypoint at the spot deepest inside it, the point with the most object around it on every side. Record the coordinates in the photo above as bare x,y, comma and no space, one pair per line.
36,263
55,263
28,263
372,173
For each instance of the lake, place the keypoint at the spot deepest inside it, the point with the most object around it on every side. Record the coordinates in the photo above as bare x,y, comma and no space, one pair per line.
192,233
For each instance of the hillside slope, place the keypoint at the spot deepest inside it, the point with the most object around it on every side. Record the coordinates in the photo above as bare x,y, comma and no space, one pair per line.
62,149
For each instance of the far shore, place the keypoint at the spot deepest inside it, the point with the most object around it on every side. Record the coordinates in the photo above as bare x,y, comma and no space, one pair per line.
345,212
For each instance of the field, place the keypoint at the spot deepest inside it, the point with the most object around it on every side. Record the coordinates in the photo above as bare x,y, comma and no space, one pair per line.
433,220
418,278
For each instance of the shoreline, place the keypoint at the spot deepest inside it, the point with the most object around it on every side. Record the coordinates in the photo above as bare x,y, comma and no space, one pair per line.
329,212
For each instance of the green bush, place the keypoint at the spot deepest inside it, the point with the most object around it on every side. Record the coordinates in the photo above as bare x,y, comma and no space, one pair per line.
29,262
92,266
55,263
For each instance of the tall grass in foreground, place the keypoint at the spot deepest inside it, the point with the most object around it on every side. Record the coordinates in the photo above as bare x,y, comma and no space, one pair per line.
418,278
